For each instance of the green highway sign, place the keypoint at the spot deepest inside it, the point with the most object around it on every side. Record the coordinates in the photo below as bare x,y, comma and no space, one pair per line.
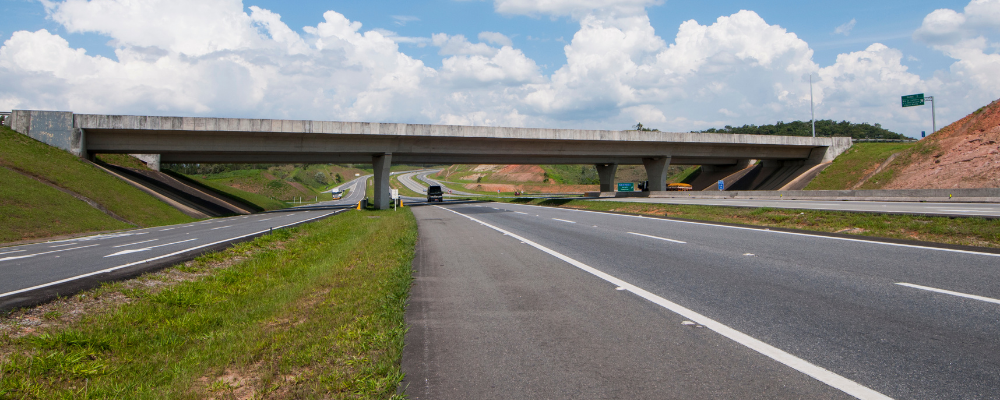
626,187
913,100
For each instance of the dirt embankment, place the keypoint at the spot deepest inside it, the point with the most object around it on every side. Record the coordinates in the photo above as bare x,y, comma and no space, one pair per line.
965,154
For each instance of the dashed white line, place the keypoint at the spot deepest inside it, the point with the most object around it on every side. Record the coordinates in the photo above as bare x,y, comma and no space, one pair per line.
168,229
949,292
518,212
15,251
656,237
61,245
47,252
131,244
819,373
564,220
227,226
146,248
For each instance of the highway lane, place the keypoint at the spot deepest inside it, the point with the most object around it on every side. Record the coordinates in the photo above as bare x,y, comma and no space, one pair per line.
903,321
38,270
990,210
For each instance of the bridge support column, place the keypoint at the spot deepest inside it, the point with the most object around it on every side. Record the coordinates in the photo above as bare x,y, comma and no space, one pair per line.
606,172
381,163
656,172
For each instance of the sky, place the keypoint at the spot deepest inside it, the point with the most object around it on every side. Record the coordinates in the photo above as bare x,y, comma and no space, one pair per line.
674,65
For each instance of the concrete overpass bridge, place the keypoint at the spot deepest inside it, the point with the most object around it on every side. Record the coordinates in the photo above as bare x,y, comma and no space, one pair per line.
242,140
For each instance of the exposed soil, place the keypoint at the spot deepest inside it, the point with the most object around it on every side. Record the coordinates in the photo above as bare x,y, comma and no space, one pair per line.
965,154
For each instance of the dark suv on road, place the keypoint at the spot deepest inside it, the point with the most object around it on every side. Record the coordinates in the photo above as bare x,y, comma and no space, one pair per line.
434,193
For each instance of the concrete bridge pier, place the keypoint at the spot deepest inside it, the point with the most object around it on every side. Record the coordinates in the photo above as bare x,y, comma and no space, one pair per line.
381,163
656,172
606,172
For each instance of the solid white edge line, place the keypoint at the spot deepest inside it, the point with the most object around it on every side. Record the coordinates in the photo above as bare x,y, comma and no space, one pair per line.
959,294
819,373
154,258
778,232
656,237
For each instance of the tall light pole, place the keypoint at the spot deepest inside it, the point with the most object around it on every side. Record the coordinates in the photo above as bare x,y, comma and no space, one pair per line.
812,108
933,114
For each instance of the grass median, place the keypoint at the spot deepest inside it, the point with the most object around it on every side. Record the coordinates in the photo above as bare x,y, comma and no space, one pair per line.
960,231
309,312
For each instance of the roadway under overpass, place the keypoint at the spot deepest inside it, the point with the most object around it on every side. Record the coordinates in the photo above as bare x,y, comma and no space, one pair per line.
244,140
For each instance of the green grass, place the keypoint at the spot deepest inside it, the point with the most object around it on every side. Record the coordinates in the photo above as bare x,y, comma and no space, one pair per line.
313,312
962,231
261,202
853,165
67,171
30,210
403,190
686,176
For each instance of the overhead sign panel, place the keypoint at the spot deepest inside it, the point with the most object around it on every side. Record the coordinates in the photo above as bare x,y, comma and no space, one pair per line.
626,187
913,100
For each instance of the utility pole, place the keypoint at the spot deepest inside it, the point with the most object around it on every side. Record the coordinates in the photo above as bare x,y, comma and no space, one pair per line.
933,115
812,108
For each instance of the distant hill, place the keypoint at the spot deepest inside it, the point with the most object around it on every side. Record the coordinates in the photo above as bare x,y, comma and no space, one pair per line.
824,128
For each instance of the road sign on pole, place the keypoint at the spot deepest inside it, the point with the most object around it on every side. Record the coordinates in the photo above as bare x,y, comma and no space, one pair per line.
913,100
626,187
722,186
918,100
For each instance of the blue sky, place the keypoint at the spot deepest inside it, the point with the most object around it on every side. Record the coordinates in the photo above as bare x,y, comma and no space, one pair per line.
730,77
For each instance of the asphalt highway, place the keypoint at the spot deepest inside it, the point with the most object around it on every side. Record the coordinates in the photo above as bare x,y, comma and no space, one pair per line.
34,272
991,210
515,301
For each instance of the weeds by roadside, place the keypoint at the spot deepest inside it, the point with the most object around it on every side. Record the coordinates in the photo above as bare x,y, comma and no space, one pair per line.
311,312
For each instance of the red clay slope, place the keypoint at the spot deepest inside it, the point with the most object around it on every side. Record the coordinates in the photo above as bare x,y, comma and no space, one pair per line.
965,154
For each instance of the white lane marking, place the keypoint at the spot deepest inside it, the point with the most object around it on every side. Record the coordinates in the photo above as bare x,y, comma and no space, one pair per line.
227,226
15,251
959,294
168,229
656,237
146,248
521,213
61,245
563,220
819,373
767,230
265,219
47,252
130,244
53,283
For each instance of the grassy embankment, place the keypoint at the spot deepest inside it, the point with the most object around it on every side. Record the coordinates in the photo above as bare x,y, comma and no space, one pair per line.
962,231
30,209
848,169
310,312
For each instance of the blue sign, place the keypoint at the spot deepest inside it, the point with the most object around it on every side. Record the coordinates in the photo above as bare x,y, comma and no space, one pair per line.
722,186
923,133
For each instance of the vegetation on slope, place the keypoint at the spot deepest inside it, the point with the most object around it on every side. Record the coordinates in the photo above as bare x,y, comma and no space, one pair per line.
30,209
862,159
312,312
29,157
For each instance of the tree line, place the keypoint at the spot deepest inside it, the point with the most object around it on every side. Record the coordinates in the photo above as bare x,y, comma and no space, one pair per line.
824,128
